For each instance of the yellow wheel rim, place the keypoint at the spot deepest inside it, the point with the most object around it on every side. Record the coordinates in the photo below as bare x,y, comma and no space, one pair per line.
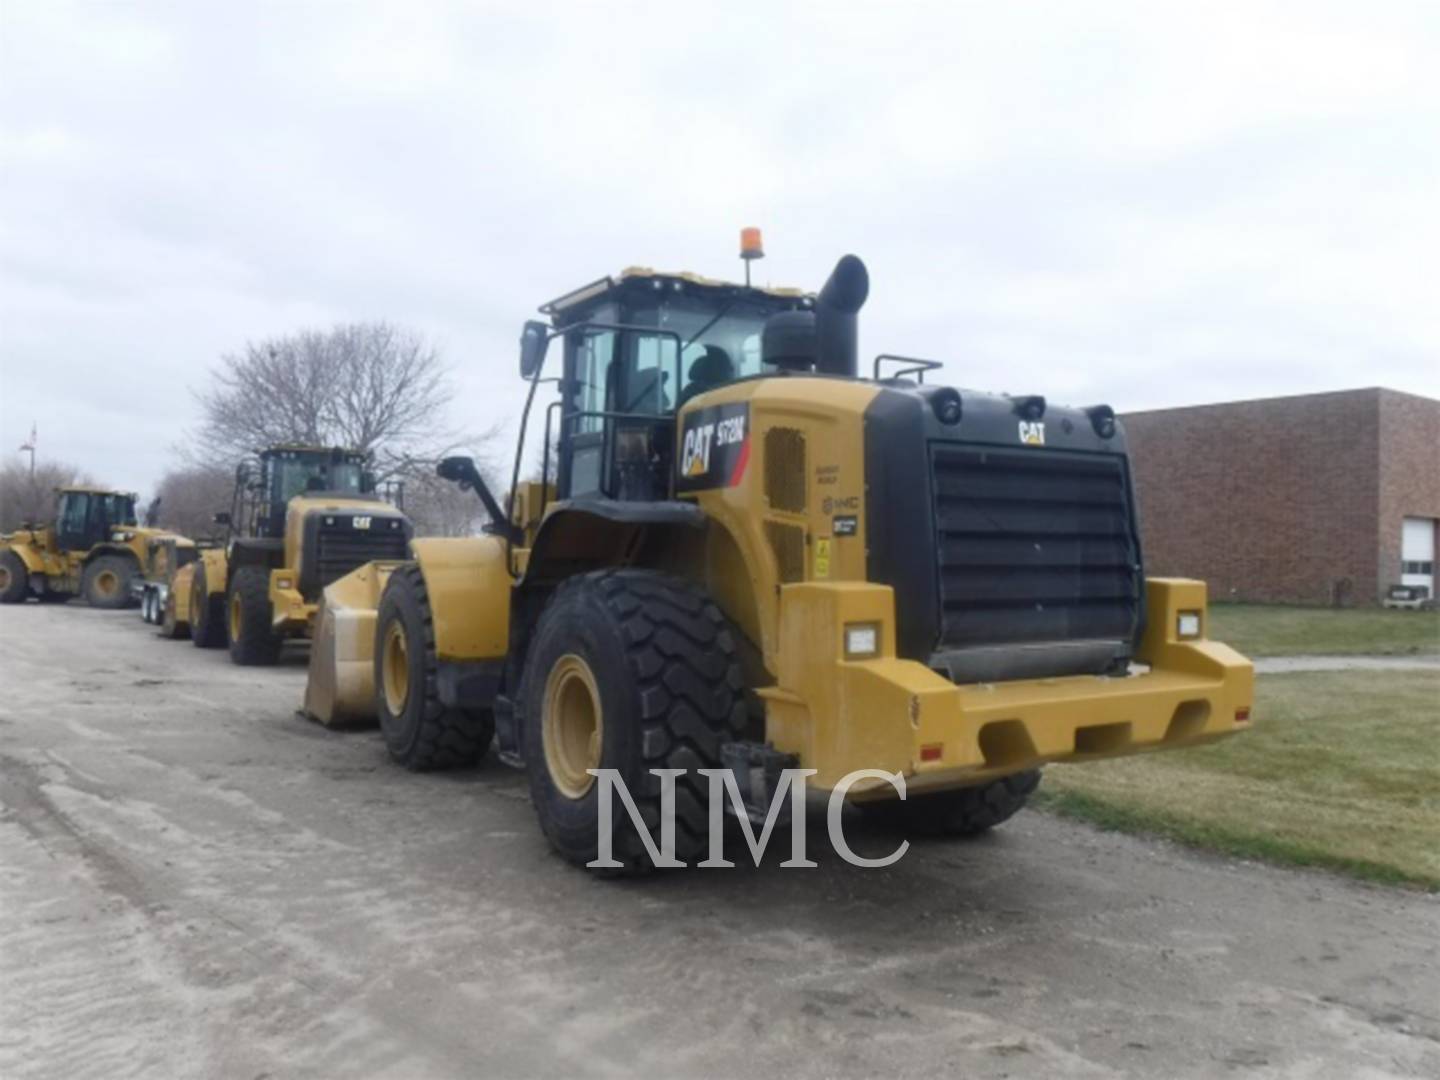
395,668
4,578
572,725
107,583
235,617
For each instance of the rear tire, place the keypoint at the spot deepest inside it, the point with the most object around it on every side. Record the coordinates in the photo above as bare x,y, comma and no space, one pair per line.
106,582
629,670
207,613
253,641
14,579
962,812
421,732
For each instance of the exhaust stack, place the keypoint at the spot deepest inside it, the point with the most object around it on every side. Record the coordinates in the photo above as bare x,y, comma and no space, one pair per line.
836,327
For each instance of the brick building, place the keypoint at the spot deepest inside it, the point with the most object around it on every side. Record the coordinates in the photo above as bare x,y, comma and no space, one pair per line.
1314,499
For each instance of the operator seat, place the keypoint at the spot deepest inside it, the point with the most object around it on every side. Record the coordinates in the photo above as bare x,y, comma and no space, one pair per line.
714,368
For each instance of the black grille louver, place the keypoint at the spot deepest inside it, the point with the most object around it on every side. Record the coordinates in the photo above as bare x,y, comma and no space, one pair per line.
342,548
1034,546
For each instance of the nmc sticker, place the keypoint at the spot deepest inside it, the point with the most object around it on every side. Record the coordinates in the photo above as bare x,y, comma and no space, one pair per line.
714,447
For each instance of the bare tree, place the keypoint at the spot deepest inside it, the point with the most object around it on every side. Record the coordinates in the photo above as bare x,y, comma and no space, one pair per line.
24,497
373,387
190,496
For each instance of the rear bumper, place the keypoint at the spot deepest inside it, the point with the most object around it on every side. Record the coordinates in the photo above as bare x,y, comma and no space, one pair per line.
840,715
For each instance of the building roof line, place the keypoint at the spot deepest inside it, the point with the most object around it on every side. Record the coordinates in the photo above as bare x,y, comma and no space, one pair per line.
1375,390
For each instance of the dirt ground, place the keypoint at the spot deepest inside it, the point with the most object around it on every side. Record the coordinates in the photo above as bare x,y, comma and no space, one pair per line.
194,882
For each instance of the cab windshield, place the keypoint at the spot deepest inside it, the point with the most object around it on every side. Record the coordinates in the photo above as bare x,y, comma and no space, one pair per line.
117,509
297,477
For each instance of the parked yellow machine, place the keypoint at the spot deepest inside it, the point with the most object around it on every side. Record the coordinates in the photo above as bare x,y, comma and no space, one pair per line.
93,548
752,558
301,517
164,556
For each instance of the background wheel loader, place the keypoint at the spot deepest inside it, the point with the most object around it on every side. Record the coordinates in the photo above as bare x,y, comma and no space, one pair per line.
751,557
300,518
164,557
93,548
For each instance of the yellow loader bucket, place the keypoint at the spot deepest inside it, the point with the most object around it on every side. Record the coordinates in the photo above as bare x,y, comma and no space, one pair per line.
340,691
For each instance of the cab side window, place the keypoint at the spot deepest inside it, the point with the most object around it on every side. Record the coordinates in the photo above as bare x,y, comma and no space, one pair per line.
73,510
594,356
648,380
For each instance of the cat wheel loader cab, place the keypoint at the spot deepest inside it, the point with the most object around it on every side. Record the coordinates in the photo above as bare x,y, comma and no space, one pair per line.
752,558
301,517
93,548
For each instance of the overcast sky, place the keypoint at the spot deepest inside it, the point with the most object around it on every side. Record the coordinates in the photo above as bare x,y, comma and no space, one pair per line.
1151,204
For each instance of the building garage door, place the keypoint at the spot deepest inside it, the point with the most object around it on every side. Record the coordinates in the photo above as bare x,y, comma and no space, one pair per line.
1417,553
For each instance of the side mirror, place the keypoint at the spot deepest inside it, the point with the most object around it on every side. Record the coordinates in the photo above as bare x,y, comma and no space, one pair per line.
534,340
222,518
457,470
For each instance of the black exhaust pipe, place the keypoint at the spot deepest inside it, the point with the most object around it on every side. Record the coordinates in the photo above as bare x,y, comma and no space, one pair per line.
836,328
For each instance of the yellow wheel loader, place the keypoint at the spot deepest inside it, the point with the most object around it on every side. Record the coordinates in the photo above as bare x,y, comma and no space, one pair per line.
301,517
751,557
93,549
164,558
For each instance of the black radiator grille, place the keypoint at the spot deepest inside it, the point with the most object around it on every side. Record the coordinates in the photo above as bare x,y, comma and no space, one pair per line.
342,548
1034,546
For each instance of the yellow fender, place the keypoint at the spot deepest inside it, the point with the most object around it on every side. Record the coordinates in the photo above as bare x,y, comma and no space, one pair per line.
34,563
469,584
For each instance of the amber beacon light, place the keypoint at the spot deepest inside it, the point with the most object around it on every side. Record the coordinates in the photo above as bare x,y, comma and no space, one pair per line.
751,248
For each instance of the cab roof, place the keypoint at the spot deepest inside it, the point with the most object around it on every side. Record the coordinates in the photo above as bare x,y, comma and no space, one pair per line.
80,489
606,284
304,448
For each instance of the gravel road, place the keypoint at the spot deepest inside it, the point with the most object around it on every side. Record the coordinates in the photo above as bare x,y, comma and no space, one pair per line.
195,882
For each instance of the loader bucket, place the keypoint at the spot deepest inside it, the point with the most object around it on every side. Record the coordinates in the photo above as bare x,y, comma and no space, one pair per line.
340,691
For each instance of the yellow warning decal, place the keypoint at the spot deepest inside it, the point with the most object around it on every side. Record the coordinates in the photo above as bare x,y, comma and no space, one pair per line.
822,558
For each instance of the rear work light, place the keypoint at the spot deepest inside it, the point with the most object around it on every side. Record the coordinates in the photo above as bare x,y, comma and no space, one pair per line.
1188,624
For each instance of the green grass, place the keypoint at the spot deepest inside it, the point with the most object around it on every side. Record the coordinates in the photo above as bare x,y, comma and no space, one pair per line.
1341,770
1276,630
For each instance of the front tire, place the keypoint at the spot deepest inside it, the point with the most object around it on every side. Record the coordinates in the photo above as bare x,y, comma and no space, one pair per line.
207,613
961,812
421,732
253,641
630,670
106,582
14,579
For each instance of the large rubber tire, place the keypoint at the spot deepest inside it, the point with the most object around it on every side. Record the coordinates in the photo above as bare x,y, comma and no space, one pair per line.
207,613
421,732
14,579
106,582
661,666
253,641
961,812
